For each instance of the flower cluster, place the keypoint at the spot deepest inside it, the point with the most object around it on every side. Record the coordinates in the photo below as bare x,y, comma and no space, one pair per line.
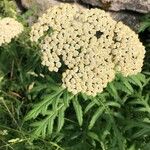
87,42
128,52
9,29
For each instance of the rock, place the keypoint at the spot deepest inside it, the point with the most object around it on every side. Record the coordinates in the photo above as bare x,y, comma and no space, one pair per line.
130,19
43,4
39,7
142,6
68,0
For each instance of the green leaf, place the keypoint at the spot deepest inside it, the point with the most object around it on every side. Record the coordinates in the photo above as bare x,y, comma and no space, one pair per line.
51,123
113,104
144,26
119,137
136,79
66,98
141,77
127,84
45,126
132,147
113,91
85,97
89,106
94,136
122,87
55,102
61,118
143,109
38,88
96,115
78,110
41,107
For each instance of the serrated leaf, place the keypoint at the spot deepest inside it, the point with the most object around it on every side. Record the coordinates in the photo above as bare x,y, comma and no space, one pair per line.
43,133
61,119
119,137
142,132
122,88
85,97
51,124
96,115
54,87
136,102
141,77
114,104
94,136
135,80
78,110
89,106
112,90
41,107
127,84
143,109
56,101
144,26
45,126
66,98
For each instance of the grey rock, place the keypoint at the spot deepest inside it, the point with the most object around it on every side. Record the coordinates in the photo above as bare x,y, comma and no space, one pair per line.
43,4
39,6
130,19
142,6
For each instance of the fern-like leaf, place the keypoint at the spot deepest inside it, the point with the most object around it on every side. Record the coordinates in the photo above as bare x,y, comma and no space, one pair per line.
78,110
41,107
96,115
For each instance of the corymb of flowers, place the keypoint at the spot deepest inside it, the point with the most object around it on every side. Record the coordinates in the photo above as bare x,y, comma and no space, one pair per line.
9,29
91,45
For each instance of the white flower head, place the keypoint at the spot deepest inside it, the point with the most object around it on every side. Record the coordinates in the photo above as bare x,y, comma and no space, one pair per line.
91,45
9,29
